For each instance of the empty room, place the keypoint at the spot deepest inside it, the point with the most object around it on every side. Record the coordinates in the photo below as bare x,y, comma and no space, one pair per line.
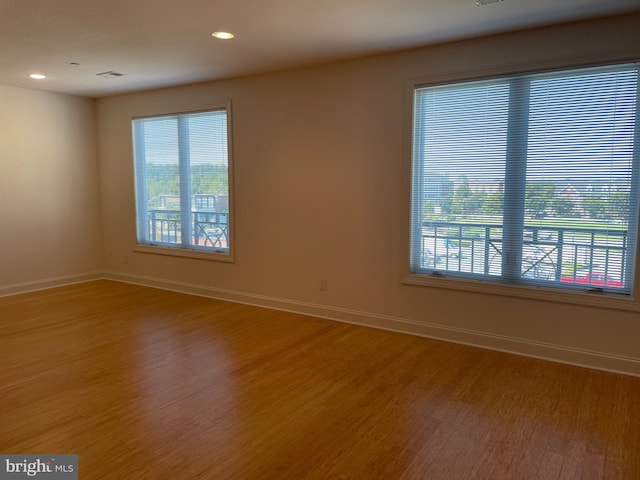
320,240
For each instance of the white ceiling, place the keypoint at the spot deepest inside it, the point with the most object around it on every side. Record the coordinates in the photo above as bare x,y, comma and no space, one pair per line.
168,42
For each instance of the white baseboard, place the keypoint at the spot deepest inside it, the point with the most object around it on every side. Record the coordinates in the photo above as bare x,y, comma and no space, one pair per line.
545,351
45,283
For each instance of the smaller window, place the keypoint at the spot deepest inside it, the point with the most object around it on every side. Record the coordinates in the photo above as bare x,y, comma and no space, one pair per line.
182,181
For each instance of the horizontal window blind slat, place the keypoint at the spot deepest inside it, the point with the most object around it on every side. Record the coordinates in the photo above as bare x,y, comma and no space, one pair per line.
182,180
571,175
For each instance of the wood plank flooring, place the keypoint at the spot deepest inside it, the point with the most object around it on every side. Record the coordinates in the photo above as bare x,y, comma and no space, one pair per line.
148,384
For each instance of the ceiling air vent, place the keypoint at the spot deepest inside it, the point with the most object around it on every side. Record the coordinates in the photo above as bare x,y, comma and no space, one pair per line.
479,3
110,74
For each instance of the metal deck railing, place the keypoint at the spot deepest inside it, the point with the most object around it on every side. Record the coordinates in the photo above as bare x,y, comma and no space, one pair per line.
208,228
595,257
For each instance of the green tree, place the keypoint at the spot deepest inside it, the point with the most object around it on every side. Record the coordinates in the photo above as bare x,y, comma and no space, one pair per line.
539,198
475,203
162,179
594,206
494,203
439,190
208,178
461,198
619,205
429,210
563,205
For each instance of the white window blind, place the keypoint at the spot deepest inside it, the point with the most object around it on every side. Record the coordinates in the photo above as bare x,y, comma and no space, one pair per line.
529,179
182,181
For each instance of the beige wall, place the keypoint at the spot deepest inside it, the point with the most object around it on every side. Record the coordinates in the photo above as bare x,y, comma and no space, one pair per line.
49,198
319,194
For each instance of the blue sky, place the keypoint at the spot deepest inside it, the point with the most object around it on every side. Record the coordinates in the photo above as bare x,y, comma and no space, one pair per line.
580,120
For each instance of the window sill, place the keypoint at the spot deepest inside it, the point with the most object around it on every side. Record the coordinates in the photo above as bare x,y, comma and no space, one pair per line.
186,253
591,299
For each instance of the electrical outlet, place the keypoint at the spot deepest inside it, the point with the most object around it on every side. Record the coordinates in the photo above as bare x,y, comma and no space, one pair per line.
324,284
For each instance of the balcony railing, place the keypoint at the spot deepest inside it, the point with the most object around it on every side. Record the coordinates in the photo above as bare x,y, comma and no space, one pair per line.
208,229
594,257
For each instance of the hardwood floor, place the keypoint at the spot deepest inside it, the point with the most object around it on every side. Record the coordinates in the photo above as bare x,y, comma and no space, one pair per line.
148,384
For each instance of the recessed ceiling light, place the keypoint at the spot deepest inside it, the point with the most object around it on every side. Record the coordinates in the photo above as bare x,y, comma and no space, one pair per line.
223,35
37,76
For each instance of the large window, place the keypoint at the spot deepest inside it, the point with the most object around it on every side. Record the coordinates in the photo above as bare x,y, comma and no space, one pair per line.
530,179
182,181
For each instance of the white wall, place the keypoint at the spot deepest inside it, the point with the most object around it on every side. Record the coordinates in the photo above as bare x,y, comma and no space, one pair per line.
319,194
49,198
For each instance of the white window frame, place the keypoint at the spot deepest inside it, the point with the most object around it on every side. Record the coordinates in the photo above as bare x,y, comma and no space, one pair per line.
489,285
184,250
